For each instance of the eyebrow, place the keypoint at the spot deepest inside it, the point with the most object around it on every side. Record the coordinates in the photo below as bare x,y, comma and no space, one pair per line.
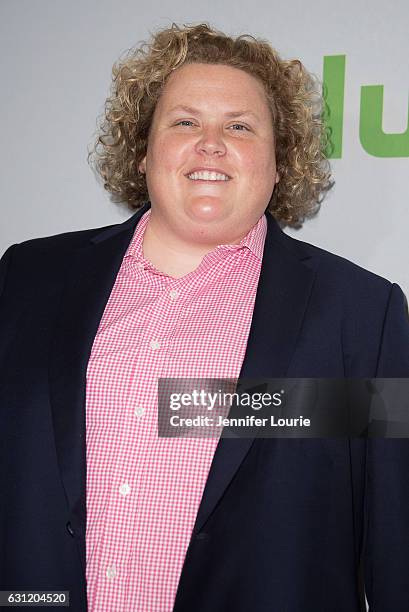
230,114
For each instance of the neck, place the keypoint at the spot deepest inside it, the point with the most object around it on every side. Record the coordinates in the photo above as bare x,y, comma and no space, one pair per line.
169,254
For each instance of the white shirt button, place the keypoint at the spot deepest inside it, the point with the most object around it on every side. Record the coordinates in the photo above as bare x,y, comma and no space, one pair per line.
154,344
173,294
139,411
111,572
124,489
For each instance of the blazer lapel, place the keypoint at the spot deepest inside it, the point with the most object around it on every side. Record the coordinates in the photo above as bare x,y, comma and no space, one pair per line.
282,296
93,269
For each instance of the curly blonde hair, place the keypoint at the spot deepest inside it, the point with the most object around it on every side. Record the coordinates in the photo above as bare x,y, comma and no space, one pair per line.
293,94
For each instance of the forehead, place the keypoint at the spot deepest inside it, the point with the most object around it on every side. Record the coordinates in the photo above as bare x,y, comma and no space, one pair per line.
212,83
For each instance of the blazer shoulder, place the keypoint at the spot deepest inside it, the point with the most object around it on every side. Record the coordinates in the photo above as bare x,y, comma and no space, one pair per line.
37,260
62,241
340,271
62,244
372,311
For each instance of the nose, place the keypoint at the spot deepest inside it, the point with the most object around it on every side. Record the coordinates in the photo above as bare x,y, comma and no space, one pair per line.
211,142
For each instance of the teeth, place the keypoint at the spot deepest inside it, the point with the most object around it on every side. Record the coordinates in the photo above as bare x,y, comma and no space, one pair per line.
207,176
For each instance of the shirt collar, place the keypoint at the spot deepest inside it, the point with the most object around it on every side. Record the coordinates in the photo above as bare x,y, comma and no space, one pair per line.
253,240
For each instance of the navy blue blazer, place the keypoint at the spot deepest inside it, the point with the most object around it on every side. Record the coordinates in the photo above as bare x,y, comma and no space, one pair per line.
284,525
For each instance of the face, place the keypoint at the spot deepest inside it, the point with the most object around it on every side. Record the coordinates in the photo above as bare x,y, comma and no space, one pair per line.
210,163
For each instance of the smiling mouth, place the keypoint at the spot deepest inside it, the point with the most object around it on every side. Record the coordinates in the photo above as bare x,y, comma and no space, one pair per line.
208,177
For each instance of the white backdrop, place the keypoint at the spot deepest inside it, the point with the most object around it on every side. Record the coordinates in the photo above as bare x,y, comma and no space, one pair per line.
56,59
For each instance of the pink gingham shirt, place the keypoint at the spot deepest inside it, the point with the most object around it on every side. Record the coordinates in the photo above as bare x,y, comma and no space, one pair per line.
143,492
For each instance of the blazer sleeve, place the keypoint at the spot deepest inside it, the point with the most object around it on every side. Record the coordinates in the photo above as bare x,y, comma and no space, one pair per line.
386,547
393,358
4,267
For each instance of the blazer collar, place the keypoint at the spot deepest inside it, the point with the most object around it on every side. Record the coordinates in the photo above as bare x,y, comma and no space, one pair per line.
282,296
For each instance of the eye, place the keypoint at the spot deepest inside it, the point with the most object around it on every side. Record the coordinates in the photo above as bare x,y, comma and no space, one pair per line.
240,126
184,121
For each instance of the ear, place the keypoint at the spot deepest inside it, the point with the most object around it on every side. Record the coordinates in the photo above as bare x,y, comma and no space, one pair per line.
142,166
277,178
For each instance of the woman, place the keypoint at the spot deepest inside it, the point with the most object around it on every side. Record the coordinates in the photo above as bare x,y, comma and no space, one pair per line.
215,142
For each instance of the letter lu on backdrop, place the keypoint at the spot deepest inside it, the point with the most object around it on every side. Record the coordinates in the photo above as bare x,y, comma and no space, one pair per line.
372,137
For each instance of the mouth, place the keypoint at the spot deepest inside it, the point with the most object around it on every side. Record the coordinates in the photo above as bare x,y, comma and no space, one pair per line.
206,176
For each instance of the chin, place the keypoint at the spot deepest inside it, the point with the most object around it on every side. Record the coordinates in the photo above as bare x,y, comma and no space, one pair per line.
208,212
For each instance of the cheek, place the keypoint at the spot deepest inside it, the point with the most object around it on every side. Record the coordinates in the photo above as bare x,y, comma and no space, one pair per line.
158,155
258,163
261,170
166,154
